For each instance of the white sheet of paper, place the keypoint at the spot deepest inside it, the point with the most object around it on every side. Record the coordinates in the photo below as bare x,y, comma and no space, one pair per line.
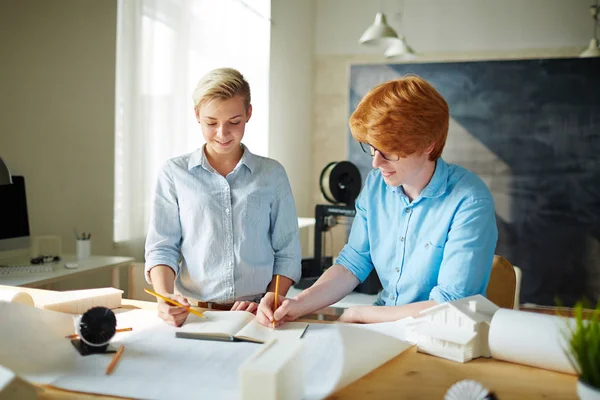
395,329
157,365
339,354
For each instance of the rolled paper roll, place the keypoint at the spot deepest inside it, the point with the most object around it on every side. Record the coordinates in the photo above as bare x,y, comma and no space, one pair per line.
17,297
530,339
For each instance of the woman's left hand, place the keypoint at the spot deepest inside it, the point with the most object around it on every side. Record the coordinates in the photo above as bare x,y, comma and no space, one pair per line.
249,306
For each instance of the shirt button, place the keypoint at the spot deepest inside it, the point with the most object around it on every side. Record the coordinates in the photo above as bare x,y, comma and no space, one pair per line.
426,244
397,269
392,297
402,238
227,210
407,210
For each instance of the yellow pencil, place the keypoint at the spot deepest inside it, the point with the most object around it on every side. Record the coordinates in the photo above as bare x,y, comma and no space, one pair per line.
275,305
115,360
173,302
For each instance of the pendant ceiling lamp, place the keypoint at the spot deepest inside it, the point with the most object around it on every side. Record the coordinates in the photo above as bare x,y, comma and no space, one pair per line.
593,50
379,32
400,49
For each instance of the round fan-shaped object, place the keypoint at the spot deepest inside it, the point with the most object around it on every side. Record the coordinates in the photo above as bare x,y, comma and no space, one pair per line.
340,182
96,327
468,390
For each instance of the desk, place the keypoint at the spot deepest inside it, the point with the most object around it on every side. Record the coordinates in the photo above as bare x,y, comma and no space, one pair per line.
413,375
59,272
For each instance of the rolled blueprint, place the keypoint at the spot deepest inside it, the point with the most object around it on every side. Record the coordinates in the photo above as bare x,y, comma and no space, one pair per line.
16,297
530,339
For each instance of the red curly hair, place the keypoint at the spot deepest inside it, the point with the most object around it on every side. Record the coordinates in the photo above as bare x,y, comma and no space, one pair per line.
403,117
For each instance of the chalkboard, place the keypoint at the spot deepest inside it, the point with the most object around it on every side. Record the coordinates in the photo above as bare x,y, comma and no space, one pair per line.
531,130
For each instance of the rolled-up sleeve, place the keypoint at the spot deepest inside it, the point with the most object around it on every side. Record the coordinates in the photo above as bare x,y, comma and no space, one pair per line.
356,254
285,236
468,253
163,242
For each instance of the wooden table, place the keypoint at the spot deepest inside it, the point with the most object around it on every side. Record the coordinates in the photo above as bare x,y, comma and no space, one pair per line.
413,375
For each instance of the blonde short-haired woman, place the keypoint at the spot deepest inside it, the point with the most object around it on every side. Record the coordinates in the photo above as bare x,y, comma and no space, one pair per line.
223,219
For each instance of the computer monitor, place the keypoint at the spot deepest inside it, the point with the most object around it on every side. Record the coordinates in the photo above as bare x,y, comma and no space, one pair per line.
14,220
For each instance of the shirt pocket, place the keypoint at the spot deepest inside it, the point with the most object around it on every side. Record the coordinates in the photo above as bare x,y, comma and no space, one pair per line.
425,262
191,215
256,215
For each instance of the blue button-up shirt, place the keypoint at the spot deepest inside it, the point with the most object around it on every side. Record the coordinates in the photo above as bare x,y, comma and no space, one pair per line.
231,234
438,247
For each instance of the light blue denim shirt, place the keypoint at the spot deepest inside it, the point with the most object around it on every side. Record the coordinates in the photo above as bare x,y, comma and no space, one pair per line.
439,247
233,233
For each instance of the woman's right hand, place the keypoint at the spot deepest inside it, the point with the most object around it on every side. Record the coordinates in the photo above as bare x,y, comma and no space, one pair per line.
173,315
289,310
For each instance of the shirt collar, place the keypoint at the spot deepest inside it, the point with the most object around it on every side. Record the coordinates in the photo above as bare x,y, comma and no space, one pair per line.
436,186
198,158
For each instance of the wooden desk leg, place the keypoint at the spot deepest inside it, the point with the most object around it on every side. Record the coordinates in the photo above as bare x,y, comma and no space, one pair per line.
114,278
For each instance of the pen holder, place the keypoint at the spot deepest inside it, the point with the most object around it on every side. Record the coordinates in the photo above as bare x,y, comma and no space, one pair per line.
84,249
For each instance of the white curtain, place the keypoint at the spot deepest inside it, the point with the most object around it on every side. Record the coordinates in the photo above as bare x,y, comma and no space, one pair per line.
163,49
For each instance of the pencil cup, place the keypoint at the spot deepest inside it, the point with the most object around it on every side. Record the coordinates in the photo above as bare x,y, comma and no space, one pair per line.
84,248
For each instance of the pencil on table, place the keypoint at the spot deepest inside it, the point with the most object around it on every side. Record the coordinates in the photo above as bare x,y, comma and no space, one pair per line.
115,360
175,303
74,336
275,305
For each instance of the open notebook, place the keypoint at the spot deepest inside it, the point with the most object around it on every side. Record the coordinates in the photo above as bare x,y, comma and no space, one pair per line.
236,326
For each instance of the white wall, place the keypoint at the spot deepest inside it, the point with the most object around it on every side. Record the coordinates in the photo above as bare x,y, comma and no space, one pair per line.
57,113
456,25
57,116
290,94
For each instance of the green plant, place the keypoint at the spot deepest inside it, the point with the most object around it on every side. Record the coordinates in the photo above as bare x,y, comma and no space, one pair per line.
583,344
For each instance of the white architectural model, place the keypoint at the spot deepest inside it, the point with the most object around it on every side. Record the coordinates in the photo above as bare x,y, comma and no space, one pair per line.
456,330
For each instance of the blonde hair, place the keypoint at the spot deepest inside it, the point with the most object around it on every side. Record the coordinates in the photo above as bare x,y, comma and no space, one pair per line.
403,116
222,83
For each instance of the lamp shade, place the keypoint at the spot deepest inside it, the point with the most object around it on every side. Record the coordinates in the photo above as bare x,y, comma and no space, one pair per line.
592,50
400,48
378,33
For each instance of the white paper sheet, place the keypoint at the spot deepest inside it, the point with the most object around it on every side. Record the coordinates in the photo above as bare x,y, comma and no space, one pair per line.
338,354
528,338
157,365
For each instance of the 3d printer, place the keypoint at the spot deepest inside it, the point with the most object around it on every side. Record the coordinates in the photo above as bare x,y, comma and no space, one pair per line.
340,184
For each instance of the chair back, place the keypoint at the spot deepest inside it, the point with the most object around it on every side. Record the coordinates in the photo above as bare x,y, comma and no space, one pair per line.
502,287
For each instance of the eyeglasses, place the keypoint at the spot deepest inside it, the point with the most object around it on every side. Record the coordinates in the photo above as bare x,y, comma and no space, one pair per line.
367,148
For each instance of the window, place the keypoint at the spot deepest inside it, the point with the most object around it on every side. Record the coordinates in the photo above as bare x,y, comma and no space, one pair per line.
163,49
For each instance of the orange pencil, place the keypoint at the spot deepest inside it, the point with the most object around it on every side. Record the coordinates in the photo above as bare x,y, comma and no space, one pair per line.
173,302
74,336
275,305
115,360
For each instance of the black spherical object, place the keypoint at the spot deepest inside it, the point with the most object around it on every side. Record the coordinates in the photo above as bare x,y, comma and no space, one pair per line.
96,327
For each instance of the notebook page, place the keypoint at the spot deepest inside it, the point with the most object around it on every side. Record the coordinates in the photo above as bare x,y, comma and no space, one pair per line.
287,331
225,322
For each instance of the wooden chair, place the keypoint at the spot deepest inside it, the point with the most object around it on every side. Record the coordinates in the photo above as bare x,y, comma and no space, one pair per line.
505,284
